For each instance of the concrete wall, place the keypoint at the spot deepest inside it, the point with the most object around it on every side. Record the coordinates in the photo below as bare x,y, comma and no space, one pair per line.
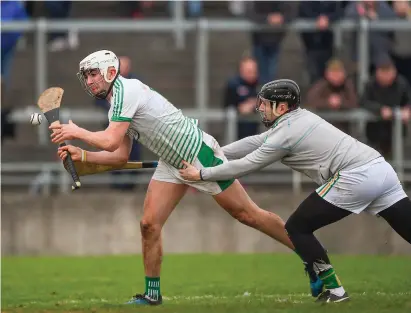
108,223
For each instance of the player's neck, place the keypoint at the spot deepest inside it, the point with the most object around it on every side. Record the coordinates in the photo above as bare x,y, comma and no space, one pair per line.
110,95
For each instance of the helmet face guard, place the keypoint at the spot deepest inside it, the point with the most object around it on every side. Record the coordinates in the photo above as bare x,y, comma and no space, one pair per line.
274,93
267,110
94,71
97,77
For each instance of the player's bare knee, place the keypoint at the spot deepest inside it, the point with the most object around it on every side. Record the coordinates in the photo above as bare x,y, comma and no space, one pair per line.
149,229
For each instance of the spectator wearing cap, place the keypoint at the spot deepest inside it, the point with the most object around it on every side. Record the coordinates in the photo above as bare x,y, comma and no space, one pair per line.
334,92
385,91
241,93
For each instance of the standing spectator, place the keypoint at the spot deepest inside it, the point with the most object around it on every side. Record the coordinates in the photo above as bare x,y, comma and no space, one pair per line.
379,41
135,154
7,127
10,11
401,52
319,44
385,91
334,92
266,43
59,41
241,93
194,7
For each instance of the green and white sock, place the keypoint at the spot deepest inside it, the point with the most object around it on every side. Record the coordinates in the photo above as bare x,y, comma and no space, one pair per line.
330,279
153,287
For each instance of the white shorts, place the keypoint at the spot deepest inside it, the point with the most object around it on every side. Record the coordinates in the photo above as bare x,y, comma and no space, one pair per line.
372,187
210,155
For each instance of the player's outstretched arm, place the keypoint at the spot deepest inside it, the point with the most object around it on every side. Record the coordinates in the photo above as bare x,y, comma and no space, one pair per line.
252,162
273,149
240,148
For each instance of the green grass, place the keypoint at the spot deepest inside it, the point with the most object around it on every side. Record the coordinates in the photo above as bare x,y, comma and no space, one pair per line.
200,283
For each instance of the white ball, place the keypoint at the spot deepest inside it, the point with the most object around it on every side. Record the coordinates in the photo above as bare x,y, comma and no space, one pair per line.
36,118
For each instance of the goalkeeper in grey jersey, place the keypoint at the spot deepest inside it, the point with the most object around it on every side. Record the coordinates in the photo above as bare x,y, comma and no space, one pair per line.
352,176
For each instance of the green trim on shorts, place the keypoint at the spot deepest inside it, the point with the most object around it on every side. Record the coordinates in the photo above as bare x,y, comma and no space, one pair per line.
323,190
208,159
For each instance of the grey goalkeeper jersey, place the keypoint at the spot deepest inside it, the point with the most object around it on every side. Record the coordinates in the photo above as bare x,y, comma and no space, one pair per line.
302,141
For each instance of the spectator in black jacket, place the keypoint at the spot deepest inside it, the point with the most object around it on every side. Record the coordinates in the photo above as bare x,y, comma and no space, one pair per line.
386,90
241,93
319,44
266,43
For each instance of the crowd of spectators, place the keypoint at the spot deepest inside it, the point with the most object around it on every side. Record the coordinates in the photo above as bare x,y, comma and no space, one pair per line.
332,79
331,82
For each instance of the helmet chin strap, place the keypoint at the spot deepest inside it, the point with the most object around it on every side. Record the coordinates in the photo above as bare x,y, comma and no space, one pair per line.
103,94
274,112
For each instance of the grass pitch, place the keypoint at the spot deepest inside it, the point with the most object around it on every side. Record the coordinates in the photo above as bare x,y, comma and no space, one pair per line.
201,283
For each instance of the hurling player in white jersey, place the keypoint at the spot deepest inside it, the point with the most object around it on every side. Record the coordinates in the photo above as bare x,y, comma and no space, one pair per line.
138,112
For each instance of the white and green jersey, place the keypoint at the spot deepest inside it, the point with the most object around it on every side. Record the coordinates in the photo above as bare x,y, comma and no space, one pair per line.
155,122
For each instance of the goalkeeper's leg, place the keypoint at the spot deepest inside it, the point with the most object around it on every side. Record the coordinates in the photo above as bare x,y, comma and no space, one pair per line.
239,205
312,214
399,218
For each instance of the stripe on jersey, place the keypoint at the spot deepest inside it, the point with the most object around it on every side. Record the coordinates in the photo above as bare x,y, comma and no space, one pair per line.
191,146
118,100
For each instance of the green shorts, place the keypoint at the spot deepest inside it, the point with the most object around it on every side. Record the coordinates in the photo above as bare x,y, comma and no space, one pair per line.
210,155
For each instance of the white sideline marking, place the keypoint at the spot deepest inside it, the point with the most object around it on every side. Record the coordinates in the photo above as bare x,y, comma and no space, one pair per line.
292,297
282,297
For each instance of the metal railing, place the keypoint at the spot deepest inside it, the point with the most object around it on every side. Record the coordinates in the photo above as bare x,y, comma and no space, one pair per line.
179,27
357,119
203,27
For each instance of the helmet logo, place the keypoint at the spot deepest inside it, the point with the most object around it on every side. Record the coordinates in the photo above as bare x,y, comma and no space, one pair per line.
283,97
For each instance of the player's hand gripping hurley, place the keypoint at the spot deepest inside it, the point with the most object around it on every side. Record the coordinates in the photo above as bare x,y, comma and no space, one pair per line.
49,103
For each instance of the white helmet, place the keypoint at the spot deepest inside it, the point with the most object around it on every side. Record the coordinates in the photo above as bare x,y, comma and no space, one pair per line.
101,60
